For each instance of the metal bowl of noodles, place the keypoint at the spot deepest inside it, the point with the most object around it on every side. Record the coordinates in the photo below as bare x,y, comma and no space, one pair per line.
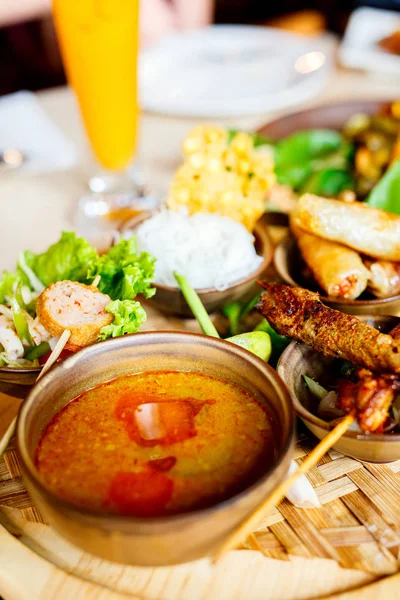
170,299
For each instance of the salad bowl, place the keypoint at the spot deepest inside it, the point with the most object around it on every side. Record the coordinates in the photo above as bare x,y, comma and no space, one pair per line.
68,287
327,116
11,376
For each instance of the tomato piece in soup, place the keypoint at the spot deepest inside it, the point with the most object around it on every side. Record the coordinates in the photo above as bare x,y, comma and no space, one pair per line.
144,494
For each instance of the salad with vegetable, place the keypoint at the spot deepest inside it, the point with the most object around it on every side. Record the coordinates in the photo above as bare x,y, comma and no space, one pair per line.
360,162
70,286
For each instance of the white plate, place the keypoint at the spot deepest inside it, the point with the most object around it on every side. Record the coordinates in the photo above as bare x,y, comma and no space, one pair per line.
359,49
227,70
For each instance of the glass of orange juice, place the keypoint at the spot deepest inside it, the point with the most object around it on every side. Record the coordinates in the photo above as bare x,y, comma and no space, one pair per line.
99,45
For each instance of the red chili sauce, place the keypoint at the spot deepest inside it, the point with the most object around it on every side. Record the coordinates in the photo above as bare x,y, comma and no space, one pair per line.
156,443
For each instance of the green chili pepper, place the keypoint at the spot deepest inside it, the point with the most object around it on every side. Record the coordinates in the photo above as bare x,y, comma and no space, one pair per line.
21,324
38,351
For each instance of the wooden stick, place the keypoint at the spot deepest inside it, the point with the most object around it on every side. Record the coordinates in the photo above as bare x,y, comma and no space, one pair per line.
96,281
59,347
5,440
248,526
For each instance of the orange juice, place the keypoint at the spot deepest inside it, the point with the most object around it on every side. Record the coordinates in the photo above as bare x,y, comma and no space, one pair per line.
99,45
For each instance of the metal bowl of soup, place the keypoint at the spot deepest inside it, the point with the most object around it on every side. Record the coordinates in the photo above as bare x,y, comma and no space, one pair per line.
120,519
299,360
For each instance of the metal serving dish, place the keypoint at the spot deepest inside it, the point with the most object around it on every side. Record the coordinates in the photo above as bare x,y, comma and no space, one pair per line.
288,264
170,299
164,540
298,360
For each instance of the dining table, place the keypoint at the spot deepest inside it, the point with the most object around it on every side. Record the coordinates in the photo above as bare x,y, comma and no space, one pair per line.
35,209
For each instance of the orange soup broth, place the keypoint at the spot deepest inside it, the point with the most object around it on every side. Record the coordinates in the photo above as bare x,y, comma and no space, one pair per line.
156,443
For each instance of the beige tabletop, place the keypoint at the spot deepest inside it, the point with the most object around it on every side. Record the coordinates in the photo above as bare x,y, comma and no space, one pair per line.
36,208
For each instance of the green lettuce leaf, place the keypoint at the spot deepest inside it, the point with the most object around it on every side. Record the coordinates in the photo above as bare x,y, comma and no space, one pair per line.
303,146
69,258
329,182
128,317
386,193
314,158
125,272
9,283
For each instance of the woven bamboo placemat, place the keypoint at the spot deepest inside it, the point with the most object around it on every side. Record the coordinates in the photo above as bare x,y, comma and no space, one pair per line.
358,525
357,528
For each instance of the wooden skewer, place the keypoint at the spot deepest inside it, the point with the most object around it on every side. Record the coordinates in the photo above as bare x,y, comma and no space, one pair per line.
96,281
5,440
59,347
248,526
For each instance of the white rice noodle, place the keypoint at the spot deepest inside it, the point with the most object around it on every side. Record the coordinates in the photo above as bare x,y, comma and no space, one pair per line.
9,339
38,333
210,250
7,312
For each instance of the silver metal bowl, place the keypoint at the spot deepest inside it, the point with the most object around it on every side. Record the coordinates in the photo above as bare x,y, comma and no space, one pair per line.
164,540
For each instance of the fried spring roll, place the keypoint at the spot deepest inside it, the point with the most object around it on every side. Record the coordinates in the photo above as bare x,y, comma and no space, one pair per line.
338,270
300,315
384,278
369,230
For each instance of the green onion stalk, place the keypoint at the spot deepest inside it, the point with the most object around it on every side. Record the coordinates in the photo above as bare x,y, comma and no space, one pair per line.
257,342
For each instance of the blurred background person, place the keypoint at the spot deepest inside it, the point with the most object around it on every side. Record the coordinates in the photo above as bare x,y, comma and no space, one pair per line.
29,50
31,60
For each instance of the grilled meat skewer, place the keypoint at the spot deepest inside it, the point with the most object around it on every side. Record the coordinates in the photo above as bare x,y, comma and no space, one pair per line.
370,396
299,314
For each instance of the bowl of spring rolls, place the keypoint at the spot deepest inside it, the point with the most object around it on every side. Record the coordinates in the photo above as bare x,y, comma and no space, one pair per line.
349,252
339,363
